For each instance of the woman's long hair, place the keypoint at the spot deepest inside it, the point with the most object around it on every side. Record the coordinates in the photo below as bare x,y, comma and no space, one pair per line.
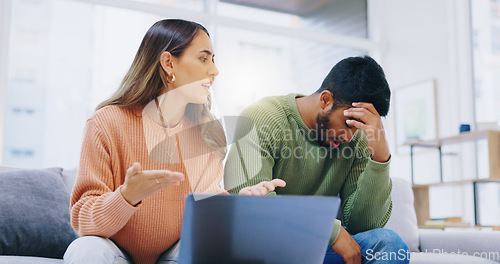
146,78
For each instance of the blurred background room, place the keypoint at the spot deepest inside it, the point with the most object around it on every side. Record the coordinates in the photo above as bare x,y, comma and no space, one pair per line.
60,58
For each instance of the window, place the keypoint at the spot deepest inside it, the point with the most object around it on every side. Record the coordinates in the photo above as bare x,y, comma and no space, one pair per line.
65,58
485,16
485,22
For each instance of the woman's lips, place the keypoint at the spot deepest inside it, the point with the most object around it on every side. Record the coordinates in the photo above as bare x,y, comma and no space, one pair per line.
207,86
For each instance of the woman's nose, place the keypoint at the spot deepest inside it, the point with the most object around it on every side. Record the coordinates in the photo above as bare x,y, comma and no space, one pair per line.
214,71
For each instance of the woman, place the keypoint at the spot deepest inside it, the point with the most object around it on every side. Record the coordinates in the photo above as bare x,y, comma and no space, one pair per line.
146,147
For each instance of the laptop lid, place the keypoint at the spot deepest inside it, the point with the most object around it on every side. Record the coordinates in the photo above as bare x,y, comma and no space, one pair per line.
256,229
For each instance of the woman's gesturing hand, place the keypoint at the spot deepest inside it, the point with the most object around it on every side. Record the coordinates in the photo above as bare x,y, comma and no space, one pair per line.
140,184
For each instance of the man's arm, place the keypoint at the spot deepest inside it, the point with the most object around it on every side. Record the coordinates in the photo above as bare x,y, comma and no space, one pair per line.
366,200
365,194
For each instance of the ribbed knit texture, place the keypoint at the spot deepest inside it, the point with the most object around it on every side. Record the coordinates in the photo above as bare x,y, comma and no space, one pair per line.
274,142
114,139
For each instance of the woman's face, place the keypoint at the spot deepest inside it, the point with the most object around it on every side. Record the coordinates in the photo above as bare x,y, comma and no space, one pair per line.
195,70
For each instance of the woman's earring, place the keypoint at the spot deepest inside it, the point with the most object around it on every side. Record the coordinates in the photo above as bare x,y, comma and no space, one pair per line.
173,78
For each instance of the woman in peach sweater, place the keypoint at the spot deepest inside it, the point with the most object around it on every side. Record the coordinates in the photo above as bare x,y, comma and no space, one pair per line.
145,148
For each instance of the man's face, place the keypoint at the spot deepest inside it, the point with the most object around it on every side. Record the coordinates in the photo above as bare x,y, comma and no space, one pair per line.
332,129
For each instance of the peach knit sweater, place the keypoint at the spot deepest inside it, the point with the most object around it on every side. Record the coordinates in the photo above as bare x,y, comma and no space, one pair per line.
114,139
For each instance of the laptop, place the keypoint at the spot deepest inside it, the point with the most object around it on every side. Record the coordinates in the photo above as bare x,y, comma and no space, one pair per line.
238,229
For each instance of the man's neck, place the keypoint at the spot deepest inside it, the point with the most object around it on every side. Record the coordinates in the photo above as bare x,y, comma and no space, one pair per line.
307,106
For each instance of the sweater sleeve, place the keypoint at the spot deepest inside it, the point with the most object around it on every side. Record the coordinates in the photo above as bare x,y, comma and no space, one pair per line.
97,206
366,200
251,157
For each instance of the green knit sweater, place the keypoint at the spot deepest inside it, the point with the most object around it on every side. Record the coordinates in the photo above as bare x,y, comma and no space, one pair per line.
274,142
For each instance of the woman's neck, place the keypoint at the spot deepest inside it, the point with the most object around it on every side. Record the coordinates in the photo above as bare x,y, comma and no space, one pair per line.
172,107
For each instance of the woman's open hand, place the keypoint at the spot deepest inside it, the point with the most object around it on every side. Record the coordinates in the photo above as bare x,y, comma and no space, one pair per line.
140,184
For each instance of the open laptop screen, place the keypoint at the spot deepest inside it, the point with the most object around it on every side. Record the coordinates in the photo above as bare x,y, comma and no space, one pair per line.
263,229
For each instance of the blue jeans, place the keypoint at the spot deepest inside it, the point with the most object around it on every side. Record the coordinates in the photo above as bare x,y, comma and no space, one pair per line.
98,250
377,246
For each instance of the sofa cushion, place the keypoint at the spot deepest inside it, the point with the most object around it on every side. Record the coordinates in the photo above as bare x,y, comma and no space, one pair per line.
34,213
403,219
485,244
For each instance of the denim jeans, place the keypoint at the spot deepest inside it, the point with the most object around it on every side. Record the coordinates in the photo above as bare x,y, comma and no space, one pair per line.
98,250
377,246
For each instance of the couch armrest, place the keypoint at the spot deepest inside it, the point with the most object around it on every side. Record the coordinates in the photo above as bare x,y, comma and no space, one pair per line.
484,244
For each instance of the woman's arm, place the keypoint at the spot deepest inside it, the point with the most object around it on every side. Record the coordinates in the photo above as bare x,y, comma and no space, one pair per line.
97,205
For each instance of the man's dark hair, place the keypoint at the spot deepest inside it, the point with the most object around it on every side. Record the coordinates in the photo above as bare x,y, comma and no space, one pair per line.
358,79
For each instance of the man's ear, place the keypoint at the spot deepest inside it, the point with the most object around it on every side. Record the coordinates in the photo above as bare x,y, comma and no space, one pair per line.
326,99
166,61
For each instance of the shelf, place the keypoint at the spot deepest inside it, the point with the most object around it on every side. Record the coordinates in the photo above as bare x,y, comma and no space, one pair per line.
493,137
421,191
421,194
455,182
463,137
493,228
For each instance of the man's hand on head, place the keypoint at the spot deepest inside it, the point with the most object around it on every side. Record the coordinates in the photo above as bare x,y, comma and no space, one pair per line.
368,120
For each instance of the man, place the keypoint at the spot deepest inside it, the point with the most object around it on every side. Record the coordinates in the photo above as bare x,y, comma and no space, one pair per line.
331,143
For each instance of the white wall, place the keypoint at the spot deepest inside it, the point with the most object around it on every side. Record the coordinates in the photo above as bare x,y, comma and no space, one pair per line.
422,40
4,54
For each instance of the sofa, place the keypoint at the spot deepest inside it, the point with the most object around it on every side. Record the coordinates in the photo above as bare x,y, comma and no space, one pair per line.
35,224
428,246
34,215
